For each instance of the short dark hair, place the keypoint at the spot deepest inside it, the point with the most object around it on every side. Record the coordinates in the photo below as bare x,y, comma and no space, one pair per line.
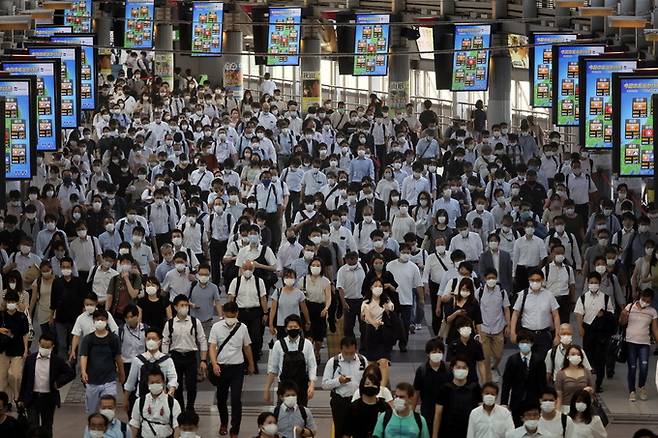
406,387
153,330
156,372
292,318
132,309
230,306
188,418
47,337
287,385
491,385
348,341
181,298
98,313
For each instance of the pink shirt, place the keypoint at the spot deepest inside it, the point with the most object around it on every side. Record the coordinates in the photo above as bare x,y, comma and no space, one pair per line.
639,324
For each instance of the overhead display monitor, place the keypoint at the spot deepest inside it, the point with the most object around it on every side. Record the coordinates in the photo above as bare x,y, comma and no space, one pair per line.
596,105
541,66
69,79
20,128
470,62
426,42
371,45
138,25
48,30
517,45
207,26
284,36
88,57
566,110
47,108
633,124
79,16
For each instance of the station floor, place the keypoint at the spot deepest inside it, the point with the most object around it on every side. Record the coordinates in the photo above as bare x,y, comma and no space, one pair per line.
625,416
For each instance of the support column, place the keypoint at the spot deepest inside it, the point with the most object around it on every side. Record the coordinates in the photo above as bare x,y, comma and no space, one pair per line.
163,61
232,71
499,107
103,26
398,76
311,91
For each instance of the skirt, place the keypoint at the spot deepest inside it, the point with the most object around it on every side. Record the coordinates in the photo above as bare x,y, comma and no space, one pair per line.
318,329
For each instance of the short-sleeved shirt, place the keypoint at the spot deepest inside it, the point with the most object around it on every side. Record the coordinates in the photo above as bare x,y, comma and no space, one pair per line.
472,350
154,313
537,313
205,298
407,275
143,256
287,304
101,354
231,353
18,325
400,426
639,324
315,287
491,309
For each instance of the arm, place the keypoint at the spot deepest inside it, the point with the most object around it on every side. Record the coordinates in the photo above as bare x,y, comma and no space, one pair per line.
304,308
327,300
556,325
75,341
250,358
272,315
120,371
513,324
438,413
83,370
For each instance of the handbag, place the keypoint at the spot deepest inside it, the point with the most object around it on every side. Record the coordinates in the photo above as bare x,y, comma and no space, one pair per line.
392,327
597,409
618,347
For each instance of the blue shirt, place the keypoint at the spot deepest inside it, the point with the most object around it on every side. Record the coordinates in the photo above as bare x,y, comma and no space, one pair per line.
361,167
113,430
451,206
427,149
162,270
293,178
110,241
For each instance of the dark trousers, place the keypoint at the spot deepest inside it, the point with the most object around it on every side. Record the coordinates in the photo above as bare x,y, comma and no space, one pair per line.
582,210
161,239
231,377
542,341
351,315
253,319
133,395
292,207
434,301
186,368
405,314
596,347
521,277
201,257
217,251
273,222
565,308
41,411
339,408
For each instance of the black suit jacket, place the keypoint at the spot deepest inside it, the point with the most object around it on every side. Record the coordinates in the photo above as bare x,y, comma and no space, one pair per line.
522,383
60,374
379,213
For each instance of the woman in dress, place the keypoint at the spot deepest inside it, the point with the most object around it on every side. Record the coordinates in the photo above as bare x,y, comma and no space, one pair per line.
572,378
318,296
582,422
154,307
287,301
379,343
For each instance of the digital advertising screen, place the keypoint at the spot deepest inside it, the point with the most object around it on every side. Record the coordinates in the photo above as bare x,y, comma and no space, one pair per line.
470,63
20,138
48,30
138,26
541,66
88,57
284,36
79,16
566,110
207,26
426,42
47,73
69,79
596,106
371,45
517,45
632,131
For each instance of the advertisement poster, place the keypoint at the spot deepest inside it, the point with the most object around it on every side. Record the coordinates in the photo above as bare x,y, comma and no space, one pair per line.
371,45
18,127
163,66
138,31
48,99
426,42
541,66
79,16
207,19
398,95
88,75
470,64
311,89
233,80
633,152
518,50
284,36
566,105
596,99
69,82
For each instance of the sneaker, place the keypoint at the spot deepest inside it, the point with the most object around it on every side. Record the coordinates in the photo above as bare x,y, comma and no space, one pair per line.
412,329
223,429
642,393
631,396
419,327
495,375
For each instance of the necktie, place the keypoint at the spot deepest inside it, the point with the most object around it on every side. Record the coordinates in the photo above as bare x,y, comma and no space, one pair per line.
525,361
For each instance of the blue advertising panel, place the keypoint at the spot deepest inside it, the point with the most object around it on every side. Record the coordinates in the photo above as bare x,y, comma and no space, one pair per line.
48,30
88,76
284,36
633,148
207,26
69,82
596,106
20,140
47,73
138,26
566,81
541,66
79,16
371,45
470,63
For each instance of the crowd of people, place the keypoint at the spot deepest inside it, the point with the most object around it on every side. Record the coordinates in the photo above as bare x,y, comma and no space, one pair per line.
180,230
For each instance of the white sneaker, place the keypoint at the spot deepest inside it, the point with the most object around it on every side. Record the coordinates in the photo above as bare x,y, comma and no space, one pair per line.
642,393
495,375
631,396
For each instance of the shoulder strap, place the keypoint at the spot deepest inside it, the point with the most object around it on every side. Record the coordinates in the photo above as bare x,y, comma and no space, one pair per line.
553,354
124,428
277,409
192,286
93,274
228,338
302,410
563,420
238,280
170,402
419,423
335,365
525,297
387,418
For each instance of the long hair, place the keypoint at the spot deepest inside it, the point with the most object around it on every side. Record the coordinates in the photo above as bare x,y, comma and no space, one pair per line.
584,397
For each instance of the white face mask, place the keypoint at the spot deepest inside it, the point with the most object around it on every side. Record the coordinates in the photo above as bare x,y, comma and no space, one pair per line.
399,404
156,388
377,291
315,270
559,258
465,331
491,282
100,324
187,434
547,406
489,399
531,424
96,433
289,281
460,373
436,357
290,401
108,413
270,429
566,339
581,407
535,285
151,290
575,359
152,344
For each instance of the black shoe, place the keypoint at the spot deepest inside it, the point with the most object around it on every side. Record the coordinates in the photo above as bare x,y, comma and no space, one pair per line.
599,389
256,368
655,352
610,375
403,348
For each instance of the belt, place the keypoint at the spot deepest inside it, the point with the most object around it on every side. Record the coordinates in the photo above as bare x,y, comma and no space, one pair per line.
249,309
544,330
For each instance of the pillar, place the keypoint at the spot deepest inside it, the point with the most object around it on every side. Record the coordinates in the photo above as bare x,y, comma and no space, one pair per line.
499,108
232,70
311,91
103,26
163,62
398,68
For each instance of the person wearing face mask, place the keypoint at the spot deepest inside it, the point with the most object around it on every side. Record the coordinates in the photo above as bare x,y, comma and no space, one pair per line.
378,208
429,379
556,355
204,298
361,166
641,321
414,184
101,370
529,250
84,324
435,269
560,280
67,298
23,259
644,238
155,414
489,420
43,374
97,426
467,241
580,188
465,345
572,378
123,288
262,256
551,421
529,419
30,225
524,377
402,419
193,234
499,259
582,420
293,418
14,332
41,298
349,283
270,198
85,250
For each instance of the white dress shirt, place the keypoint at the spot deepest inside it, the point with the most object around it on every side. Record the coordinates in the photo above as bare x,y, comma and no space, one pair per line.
248,296
156,410
594,302
527,252
350,279
352,368
42,374
182,339
494,424
166,366
232,353
471,245
275,360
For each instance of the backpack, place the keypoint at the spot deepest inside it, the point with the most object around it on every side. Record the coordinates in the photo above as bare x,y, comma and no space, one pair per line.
389,414
481,292
193,330
294,363
238,280
362,364
145,369
170,403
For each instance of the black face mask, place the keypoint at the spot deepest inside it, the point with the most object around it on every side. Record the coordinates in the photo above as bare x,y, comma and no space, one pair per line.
370,391
292,239
293,333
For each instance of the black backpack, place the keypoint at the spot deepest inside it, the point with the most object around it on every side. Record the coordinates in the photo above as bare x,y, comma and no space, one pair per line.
294,363
146,368
302,411
389,414
193,330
